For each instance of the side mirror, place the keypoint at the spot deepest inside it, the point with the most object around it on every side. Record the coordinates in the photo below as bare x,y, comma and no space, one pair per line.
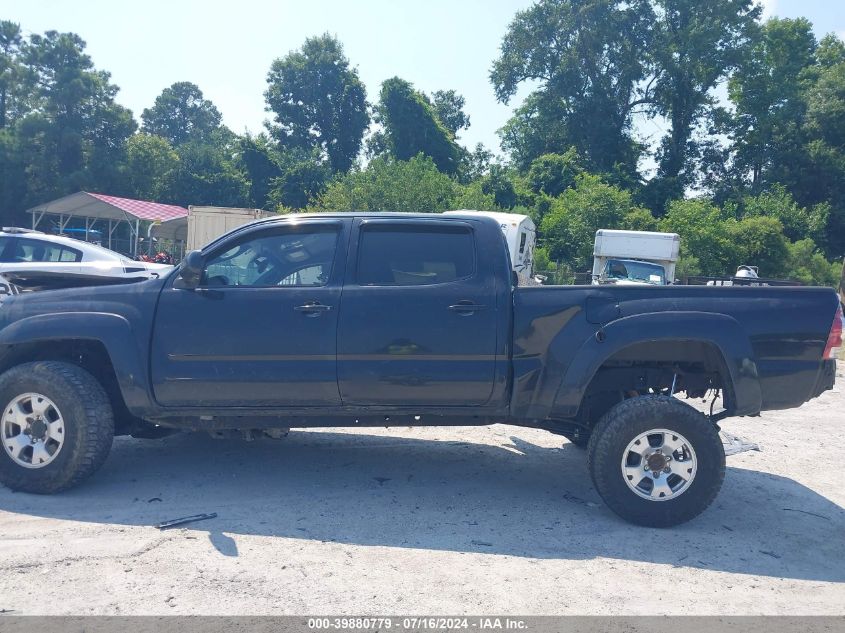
190,272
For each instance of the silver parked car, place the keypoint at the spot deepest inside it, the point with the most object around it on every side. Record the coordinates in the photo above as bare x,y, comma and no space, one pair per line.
31,259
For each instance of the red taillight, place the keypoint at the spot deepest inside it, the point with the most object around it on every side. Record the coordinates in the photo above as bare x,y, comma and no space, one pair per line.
834,339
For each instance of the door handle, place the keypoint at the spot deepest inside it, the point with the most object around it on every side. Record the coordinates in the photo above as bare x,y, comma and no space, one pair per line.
312,309
209,293
466,308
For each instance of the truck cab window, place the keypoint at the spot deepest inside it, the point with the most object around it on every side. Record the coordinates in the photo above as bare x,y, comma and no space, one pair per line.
405,255
300,259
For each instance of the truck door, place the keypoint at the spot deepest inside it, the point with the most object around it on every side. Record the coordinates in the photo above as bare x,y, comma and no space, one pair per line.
418,316
261,329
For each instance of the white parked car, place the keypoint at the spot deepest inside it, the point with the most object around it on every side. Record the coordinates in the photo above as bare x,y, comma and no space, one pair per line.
30,259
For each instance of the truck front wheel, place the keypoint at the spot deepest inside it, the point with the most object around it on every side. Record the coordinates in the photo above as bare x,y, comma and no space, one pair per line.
656,461
56,426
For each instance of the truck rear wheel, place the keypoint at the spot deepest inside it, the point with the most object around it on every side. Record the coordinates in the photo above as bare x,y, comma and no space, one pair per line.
656,461
56,426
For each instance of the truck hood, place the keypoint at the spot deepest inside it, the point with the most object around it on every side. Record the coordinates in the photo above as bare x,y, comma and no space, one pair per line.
125,299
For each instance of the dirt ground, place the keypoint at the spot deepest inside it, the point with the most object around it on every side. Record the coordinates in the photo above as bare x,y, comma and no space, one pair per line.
497,520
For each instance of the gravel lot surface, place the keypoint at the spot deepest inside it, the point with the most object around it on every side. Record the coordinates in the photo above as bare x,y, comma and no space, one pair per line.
496,519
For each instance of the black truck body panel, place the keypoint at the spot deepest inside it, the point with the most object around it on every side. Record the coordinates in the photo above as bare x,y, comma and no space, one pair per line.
471,351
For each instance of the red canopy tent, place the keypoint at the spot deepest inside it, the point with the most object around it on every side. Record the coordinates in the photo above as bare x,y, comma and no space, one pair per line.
97,207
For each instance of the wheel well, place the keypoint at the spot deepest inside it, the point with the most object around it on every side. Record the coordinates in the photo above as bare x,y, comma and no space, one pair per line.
90,355
692,367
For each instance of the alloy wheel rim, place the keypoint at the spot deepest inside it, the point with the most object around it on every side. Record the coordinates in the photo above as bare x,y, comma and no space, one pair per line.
659,465
33,430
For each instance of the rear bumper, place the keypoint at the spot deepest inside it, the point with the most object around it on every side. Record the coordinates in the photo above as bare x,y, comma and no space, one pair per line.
826,378
786,385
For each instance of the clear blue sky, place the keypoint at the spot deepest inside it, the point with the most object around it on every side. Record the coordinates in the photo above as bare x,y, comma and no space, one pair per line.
226,48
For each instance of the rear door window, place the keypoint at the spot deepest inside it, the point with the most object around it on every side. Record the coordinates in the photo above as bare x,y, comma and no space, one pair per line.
28,250
408,255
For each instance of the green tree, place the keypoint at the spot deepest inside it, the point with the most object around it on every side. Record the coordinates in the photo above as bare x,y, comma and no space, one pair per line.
387,184
318,102
542,261
798,222
826,105
815,173
150,164
206,173
808,265
475,165
766,91
502,183
300,182
259,160
539,126
695,45
760,242
449,107
410,126
830,51
472,197
13,178
588,60
552,174
181,113
75,135
706,245
106,149
570,226
13,74
640,220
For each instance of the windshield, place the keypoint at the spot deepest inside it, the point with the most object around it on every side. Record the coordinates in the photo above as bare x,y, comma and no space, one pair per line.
631,270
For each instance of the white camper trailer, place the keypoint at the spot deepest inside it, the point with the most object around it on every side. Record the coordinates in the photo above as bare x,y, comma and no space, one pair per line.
520,235
208,223
635,257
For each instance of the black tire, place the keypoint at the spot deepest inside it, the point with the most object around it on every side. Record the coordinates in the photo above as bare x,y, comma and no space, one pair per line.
621,425
88,425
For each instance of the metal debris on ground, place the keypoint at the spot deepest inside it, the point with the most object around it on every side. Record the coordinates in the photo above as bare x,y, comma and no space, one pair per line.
182,521
734,444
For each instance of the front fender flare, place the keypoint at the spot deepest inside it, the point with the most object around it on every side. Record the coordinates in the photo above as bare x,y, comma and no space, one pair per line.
721,330
112,330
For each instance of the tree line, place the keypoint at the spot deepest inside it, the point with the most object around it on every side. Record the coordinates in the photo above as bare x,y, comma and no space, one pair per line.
747,166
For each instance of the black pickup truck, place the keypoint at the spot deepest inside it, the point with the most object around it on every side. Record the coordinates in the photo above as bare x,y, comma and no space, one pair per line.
398,320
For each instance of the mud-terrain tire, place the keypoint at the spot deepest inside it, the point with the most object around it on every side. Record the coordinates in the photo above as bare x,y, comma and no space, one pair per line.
77,418
685,451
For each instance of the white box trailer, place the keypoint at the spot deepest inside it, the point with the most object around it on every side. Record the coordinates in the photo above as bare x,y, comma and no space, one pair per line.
614,248
521,236
208,223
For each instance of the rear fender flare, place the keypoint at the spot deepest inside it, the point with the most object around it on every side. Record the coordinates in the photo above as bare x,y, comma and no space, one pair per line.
720,330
